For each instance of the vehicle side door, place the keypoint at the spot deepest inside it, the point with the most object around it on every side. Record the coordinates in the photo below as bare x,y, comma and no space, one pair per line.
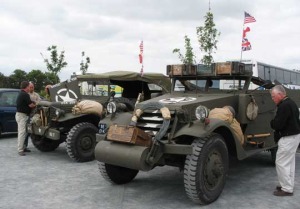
8,110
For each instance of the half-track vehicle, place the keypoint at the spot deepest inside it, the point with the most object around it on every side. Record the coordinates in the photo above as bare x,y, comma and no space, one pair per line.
58,120
176,129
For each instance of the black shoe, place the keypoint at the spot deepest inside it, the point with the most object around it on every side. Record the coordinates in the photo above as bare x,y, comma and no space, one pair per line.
282,193
278,188
27,150
22,154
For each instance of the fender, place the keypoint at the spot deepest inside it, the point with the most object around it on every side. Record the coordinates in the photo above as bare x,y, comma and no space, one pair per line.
123,118
199,129
69,116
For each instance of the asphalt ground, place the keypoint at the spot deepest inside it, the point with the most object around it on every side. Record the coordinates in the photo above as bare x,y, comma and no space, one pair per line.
53,180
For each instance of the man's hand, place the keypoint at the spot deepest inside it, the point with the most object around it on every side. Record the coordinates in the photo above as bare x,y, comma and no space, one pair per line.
32,105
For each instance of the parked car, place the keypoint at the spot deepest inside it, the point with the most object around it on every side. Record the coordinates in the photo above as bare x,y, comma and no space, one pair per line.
8,110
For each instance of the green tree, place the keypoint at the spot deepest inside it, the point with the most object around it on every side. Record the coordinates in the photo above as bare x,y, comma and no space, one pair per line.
84,65
16,78
38,78
57,61
51,78
207,38
2,80
189,57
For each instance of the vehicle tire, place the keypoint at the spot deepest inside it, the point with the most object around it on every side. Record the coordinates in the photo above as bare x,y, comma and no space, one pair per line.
273,155
206,169
44,144
81,142
130,104
117,174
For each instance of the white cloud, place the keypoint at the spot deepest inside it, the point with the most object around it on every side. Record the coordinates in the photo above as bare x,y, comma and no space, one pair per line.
109,31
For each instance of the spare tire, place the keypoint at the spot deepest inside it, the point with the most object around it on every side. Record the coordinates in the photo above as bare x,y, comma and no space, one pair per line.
130,104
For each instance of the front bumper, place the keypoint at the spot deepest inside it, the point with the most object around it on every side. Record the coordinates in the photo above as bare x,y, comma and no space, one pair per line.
100,137
45,131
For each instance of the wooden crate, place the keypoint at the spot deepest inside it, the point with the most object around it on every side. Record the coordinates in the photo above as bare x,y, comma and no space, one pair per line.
129,134
229,68
181,69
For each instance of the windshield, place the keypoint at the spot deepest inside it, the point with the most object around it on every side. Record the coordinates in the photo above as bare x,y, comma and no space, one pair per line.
206,84
99,89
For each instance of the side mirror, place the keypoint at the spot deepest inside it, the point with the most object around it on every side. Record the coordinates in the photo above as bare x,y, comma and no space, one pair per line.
268,84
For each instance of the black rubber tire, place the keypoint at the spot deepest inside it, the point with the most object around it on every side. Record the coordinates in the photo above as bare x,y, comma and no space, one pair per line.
44,144
81,142
206,169
130,104
116,174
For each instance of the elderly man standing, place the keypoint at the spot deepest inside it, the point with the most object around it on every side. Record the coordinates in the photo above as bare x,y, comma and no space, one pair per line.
35,97
24,107
287,132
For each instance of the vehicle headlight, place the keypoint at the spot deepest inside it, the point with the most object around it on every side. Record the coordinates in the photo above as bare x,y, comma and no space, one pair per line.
201,113
111,107
59,112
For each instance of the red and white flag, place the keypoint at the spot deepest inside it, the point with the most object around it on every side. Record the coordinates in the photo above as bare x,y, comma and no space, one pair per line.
141,57
141,52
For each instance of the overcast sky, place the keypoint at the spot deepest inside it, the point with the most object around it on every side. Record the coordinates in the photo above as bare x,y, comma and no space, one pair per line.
110,31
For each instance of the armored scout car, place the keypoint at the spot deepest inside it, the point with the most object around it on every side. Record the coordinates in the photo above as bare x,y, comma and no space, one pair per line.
58,120
175,129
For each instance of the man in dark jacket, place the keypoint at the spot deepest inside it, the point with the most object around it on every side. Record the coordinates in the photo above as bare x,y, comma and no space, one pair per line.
24,106
287,132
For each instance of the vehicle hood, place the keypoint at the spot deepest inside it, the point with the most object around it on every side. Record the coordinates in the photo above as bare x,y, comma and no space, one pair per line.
190,102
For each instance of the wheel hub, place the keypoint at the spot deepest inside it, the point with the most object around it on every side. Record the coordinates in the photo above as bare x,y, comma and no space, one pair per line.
214,169
86,143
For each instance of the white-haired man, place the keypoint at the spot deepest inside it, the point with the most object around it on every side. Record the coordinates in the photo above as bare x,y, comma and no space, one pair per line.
287,132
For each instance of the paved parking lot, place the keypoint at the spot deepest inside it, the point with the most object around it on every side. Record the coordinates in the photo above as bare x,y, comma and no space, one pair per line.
52,180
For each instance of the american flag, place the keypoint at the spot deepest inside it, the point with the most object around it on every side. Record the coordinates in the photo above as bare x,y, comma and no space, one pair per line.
248,18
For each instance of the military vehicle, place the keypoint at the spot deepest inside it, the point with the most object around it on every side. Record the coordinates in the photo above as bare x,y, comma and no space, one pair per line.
175,129
57,121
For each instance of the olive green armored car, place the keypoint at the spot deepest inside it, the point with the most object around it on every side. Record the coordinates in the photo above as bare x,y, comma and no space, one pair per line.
77,105
213,114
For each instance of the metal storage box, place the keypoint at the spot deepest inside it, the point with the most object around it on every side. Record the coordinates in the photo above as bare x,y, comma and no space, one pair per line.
129,134
204,69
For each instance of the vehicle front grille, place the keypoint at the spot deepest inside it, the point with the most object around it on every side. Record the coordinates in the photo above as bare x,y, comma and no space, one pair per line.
151,121
48,113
